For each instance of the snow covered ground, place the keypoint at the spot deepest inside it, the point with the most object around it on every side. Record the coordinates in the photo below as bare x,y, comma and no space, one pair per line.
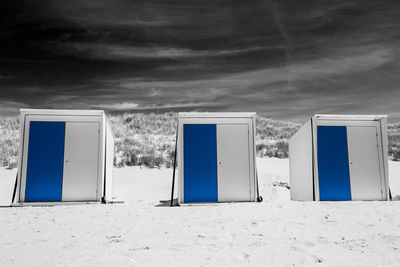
141,232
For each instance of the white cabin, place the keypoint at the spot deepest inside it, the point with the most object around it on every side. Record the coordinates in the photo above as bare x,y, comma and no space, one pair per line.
216,157
65,156
340,157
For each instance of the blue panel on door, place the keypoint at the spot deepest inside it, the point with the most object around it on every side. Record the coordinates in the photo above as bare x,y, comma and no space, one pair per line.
200,162
333,163
44,177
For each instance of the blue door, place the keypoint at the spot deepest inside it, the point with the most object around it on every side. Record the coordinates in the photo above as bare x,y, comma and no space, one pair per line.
44,177
200,163
333,163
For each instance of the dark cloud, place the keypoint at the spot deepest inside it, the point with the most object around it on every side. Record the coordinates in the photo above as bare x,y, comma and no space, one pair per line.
286,59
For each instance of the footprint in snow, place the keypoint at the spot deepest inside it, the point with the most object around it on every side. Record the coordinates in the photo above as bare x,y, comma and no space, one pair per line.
257,234
309,244
114,238
141,248
212,247
243,256
232,235
258,244
314,258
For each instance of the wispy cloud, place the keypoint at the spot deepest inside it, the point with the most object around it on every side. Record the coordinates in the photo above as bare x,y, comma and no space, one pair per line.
300,71
117,106
136,107
118,52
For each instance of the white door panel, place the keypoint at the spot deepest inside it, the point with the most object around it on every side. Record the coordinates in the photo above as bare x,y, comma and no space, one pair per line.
364,166
81,161
233,162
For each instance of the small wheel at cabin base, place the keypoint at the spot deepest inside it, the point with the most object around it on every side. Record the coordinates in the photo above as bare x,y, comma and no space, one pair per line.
259,199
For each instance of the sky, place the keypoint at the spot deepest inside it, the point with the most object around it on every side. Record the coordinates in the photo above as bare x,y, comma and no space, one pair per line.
285,59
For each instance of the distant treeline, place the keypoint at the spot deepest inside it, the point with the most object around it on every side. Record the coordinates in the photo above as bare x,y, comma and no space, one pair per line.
149,139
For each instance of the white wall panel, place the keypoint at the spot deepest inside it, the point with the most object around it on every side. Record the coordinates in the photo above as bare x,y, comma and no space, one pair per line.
365,174
109,164
301,166
81,157
233,162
